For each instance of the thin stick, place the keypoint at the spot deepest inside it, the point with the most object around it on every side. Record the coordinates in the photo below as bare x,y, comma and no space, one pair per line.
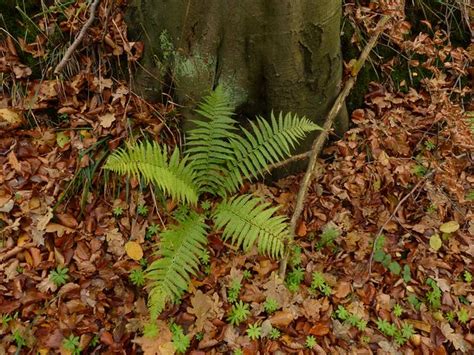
321,139
290,160
78,39
392,215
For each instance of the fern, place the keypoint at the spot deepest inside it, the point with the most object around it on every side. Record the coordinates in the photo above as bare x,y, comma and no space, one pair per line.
208,145
265,145
180,248
247,220
217,161
150,161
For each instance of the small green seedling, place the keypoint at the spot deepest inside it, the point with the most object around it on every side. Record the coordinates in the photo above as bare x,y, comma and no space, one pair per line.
294,279
238,352
254,332
433,296
328,237
142,210
397,310
271,305
238,313
319,283
295,257
352,319
247,274
137,277
180,340
386,328
59,276
467,276
151,231
274,334
118,211
463,315
18,338
415,302
233,291
72,344
310,342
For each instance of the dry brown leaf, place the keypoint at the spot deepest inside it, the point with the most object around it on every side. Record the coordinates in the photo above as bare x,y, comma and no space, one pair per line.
159,345
107,119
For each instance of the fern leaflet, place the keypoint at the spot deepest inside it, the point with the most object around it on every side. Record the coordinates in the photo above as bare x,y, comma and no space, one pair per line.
180,249
208,143
265,145
150,161
247,220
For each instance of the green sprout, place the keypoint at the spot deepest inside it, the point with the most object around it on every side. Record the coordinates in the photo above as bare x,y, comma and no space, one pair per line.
118,211
180,340
310,342
328,237
254,332
319,283
247,274
414,301
397,310
238,313
274,334
463,315
72,344
433,296
18,338
238,352
450,316
233,291
467,276
271,305
59,276
142,210
385,327
151,231
137,277
294,279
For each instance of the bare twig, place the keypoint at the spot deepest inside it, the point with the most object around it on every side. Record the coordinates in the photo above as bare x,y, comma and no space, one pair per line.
294,158
392,215
321,139
78,39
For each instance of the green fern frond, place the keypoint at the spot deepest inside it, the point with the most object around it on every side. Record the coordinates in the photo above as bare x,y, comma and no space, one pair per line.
247,220
150,161
179,248
267,144
208,143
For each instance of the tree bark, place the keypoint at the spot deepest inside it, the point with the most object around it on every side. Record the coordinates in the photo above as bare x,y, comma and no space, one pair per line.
280,55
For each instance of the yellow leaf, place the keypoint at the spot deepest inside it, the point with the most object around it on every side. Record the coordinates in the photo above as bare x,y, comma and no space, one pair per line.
435,242
134,250
449,227
62,139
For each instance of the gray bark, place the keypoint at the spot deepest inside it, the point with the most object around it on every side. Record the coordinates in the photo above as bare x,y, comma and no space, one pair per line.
280,55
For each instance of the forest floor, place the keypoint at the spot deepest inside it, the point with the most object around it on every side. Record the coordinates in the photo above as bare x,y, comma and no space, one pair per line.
384,256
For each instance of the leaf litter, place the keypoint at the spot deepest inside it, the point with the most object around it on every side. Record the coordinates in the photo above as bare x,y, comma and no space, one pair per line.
54,210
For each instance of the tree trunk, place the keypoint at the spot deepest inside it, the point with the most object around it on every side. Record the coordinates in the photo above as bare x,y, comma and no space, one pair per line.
280,55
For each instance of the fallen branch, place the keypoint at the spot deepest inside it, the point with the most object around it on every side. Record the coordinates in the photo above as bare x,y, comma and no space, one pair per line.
78,39
321,139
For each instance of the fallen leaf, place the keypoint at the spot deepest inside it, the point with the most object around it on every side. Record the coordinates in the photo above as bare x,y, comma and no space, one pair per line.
435,242
457,339
320,329
281,319
158,345
10,119
62,139
449,227
107,119
134,250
